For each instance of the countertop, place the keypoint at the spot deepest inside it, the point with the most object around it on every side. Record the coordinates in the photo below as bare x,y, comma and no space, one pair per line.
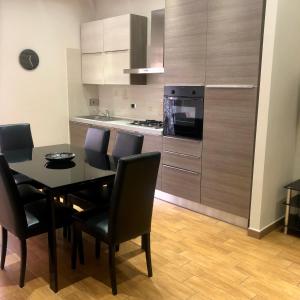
120,124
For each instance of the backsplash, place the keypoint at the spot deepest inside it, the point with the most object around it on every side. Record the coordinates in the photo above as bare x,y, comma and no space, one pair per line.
118,99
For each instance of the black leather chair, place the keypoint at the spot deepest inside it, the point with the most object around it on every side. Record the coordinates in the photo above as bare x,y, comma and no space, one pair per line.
130,212
97,139
127,144
23,221
14,137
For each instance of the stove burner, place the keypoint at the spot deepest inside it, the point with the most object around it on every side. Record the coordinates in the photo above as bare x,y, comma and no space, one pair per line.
148,123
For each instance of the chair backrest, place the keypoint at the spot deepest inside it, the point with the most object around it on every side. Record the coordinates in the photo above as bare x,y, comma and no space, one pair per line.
15,136
97,139
133,196
127,144
12,213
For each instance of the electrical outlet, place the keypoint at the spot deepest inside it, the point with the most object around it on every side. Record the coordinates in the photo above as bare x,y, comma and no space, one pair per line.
133,105
94,102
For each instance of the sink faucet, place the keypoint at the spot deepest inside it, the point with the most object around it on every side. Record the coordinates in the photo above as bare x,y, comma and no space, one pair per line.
106,114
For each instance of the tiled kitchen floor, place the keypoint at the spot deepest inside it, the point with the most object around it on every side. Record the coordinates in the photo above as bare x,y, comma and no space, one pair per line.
194,257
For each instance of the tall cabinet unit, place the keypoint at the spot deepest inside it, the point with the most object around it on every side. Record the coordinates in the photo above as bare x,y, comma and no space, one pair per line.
234,35
185,41
111,45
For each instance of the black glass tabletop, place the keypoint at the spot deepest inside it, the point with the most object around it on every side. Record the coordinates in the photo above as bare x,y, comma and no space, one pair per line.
86,166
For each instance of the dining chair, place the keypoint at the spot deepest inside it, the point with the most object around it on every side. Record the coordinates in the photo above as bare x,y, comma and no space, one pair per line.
23,221
127,144
97,140
14,137
130,213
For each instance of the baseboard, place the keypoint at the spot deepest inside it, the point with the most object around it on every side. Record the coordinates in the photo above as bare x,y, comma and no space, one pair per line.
203,209
258,234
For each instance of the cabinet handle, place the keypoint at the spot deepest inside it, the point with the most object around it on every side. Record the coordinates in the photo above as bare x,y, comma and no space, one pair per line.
230,86
181,154
181,170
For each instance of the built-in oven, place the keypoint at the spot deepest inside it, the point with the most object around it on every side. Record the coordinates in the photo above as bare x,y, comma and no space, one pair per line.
183,111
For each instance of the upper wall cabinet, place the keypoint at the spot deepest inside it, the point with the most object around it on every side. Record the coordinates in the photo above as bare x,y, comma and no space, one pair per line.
185,41
92,37
123,46
117,33
233,41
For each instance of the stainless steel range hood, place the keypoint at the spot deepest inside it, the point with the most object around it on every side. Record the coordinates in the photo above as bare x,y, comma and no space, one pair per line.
155,58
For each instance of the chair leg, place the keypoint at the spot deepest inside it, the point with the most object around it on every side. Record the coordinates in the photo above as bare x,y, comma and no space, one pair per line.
117,247
23,262
4,247
74,249
97,248
143,243
112,268
80,247
146,238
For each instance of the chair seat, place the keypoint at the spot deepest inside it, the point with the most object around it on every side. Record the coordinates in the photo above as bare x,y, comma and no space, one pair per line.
37,216
29,194
95,197
94,221
20,179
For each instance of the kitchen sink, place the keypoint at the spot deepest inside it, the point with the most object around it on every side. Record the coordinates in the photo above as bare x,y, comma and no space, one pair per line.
100,118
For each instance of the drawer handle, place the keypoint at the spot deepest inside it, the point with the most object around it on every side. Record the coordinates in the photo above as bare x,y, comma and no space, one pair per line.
231,86
181,154
181,170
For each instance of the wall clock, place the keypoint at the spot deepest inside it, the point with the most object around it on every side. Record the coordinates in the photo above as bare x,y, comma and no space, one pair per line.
29,59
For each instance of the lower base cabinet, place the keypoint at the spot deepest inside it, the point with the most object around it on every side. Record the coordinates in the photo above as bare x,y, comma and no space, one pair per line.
181,183
152,143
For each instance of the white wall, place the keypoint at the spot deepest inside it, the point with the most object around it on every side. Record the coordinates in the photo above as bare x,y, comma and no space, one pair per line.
39,97
277,112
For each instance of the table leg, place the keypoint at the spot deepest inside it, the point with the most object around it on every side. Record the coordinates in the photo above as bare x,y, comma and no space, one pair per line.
287,210
52,243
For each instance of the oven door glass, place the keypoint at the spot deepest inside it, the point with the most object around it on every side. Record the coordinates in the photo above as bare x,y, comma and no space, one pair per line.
183,117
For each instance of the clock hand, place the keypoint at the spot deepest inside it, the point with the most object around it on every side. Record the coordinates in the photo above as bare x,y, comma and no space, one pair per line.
29,58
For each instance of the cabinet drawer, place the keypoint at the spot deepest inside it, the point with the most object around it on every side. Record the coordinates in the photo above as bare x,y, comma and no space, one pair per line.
182,161
184,146
181,183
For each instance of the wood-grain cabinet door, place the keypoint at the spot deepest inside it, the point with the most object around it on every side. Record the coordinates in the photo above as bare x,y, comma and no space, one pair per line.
228,149
185,41
114,64
92,68
233,41
92,37
78,133
153,143
116,32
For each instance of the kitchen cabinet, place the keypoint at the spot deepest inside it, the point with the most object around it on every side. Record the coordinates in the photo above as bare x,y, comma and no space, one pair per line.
92,68
123,46
153,143
234,33
228,149
92,37
78,133
114,64
116,33
185,41
181,170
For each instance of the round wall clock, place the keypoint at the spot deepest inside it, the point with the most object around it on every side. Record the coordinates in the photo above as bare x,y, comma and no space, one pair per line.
29,59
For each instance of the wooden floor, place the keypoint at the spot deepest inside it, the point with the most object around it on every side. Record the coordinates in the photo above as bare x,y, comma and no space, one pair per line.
194,257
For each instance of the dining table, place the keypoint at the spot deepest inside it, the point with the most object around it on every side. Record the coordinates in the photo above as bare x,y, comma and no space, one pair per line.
87,169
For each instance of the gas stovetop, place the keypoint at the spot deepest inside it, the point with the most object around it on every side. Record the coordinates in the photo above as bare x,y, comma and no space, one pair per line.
149,123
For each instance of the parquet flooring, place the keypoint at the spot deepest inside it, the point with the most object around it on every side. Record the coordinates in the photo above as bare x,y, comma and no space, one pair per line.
194,257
